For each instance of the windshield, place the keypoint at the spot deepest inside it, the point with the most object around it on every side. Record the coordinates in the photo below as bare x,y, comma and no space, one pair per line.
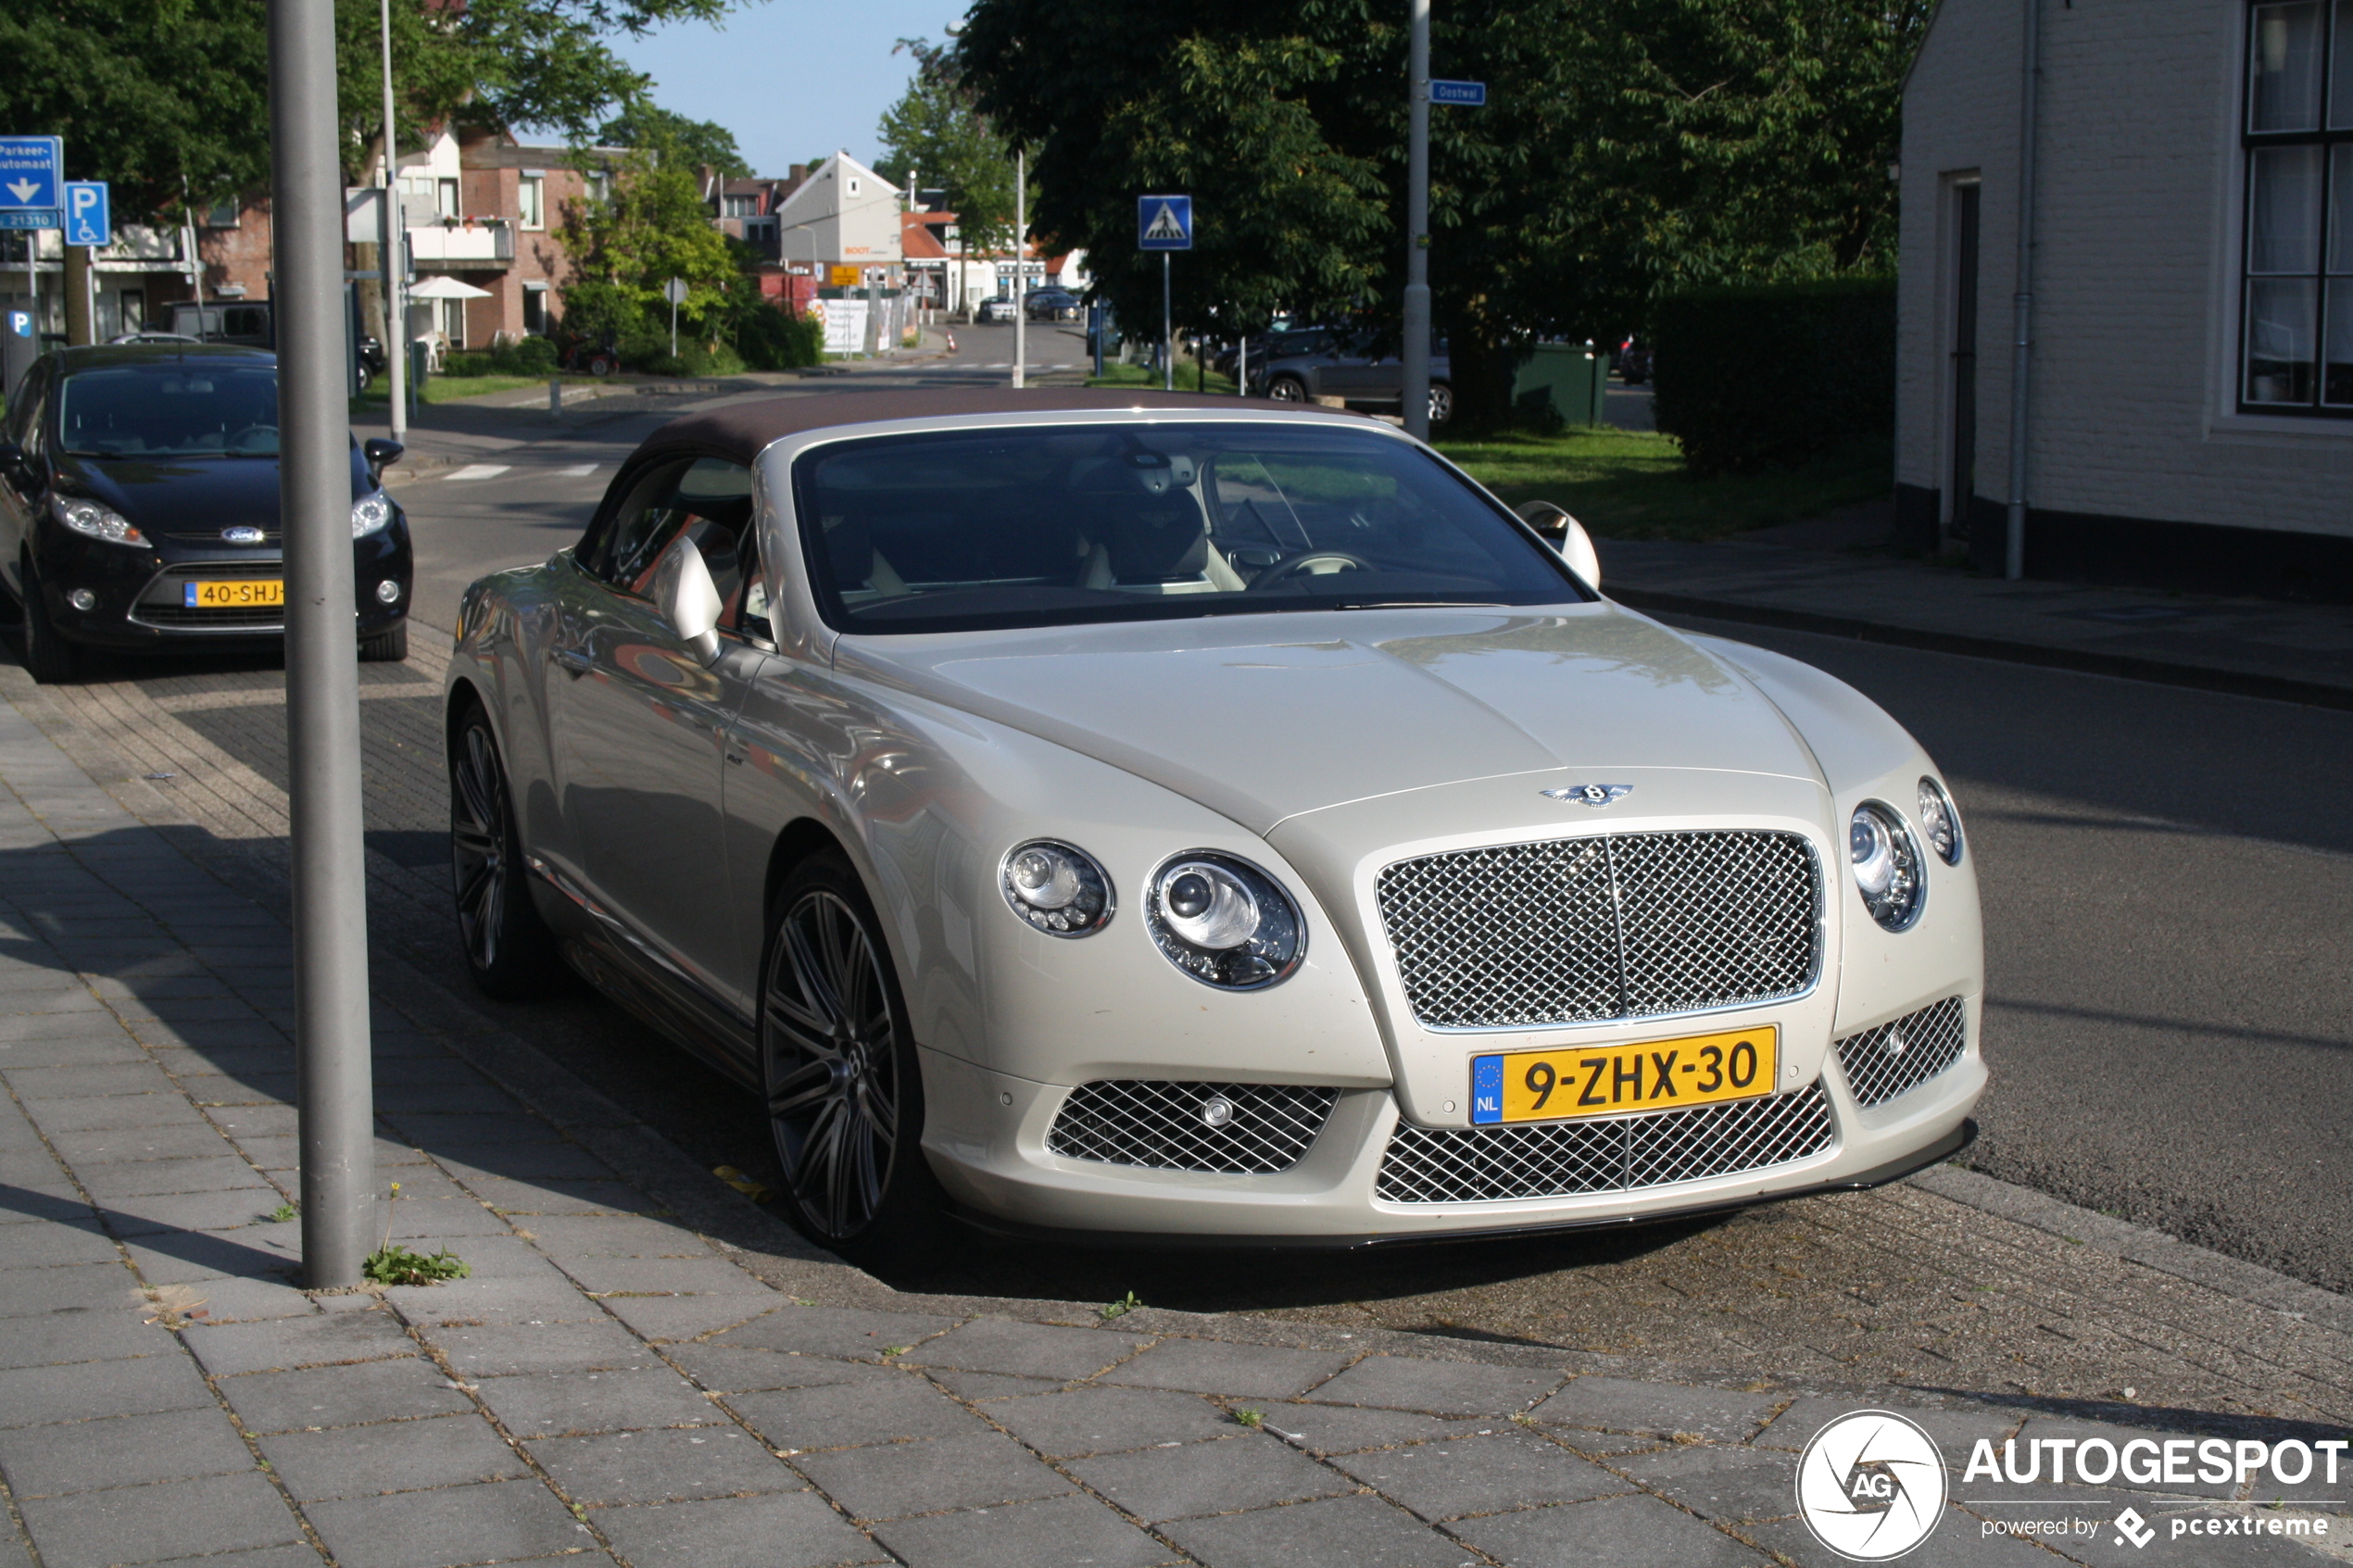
1050,526
172,408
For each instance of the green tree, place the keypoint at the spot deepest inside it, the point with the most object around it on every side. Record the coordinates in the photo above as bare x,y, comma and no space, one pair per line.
161,95
1626,148
648,227
689,144
934,134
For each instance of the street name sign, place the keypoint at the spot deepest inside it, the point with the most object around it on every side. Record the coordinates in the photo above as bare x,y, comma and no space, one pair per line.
89,220
30,218
1468,95
29,173
1163,222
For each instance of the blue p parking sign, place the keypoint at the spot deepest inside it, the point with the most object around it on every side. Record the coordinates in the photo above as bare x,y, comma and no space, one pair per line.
88,219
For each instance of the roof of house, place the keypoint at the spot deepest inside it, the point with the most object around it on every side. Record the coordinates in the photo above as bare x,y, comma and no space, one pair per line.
919,240
739,431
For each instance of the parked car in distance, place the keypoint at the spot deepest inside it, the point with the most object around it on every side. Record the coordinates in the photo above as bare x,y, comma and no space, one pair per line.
1053,305
139,508
248,323
995,309
1159,818
1352,366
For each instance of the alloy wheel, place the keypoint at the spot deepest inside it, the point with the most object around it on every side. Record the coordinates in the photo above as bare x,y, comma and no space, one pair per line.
833,1065
479,834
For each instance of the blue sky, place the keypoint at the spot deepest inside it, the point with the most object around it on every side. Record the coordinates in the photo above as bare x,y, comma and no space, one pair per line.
792,80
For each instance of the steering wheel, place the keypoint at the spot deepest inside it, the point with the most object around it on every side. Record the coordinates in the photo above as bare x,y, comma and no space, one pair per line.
253,436
1302,566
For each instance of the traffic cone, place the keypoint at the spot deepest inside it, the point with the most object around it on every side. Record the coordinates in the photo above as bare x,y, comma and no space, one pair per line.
952,342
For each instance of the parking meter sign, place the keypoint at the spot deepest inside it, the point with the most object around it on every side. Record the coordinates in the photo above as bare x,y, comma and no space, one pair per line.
29,171
89,220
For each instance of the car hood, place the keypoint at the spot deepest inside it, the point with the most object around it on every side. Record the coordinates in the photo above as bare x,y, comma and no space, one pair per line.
164,495
1263,718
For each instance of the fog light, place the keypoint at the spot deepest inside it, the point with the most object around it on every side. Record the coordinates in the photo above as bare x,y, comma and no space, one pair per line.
82,599
388,592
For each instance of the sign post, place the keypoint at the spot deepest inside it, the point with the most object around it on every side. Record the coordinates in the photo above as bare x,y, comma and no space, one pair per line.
1165,224
1421,92
674,290
333,1086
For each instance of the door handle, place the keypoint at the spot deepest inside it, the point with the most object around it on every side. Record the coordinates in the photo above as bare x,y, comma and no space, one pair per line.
575,661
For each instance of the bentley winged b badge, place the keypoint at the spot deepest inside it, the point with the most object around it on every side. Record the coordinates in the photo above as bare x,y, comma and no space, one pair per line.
1591,794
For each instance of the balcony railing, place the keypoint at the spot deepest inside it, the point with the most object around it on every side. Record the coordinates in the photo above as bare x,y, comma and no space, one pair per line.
485,242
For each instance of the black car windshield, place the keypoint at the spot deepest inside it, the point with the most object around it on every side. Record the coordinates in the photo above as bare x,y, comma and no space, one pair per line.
172,407
1056,525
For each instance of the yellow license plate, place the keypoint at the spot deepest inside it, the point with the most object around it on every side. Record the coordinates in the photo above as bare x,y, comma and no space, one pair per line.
242,595
1553,1086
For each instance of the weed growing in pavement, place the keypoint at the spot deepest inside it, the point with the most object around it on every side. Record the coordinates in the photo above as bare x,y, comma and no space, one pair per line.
281,1213
1120,1309
1250,1418
389,1265
890,1350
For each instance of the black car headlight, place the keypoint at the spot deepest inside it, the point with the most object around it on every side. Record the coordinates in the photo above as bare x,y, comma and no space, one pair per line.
85,515
370,514
1224,922
1940,822
1886,863
1056,888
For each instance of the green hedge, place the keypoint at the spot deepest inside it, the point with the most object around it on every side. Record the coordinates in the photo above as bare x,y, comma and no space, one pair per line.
1775,374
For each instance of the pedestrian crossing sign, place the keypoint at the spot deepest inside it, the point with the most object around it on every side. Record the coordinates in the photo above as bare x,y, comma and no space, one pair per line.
1163,222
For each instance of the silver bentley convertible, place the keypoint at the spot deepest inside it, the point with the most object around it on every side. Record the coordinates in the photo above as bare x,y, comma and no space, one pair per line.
1162,819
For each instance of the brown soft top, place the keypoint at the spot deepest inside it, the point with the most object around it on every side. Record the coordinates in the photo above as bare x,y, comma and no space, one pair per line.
738,431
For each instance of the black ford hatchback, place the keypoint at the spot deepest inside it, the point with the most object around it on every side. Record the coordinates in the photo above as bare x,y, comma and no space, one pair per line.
139,507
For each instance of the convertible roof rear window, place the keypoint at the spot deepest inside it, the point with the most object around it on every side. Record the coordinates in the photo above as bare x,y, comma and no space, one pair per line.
1058,524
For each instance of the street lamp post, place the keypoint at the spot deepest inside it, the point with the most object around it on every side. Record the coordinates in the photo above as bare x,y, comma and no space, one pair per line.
332,1087
393,253
1417,354
1021,265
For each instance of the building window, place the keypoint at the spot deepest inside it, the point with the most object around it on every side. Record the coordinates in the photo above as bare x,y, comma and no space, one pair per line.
531,199
444,196
741,207
535,309
2297,323
221,215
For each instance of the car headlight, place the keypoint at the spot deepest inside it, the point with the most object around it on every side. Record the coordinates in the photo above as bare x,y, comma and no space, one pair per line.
370,513
1224,922
1886,864
88,517
1940,822
1058,888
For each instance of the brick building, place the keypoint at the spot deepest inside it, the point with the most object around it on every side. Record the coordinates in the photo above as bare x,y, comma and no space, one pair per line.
2190,414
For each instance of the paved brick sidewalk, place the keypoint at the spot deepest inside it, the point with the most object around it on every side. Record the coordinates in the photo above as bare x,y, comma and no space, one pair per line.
614,1381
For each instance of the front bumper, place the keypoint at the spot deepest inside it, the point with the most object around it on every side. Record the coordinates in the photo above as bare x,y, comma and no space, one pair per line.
140,599
989,1136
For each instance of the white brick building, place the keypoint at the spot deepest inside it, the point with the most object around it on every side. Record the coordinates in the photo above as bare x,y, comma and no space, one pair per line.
2191,392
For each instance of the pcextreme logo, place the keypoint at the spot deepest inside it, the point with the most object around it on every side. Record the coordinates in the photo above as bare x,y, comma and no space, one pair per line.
1871,1486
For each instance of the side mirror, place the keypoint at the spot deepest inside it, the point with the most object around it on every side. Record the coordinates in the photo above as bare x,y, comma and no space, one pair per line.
382,454
1567,535
11,458
688,599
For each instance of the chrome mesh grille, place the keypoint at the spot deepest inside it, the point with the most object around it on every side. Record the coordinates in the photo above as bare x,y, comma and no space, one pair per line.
1561,1159
1603,926
1159,1124
1883,1062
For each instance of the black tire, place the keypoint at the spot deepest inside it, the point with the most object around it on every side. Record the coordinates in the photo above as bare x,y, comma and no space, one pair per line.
1441,403
844,1091
48,657
509,949
386,647
1287,389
